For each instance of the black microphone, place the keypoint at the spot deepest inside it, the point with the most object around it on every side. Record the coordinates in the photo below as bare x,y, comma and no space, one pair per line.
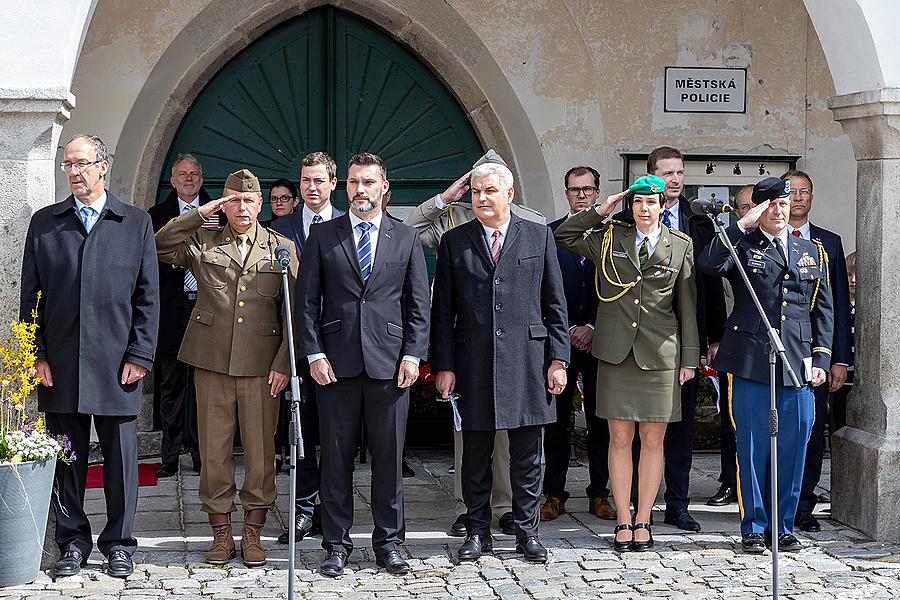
283,256
708,207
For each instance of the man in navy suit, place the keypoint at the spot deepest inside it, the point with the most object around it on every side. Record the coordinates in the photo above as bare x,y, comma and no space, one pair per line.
582,189
318,178
799,225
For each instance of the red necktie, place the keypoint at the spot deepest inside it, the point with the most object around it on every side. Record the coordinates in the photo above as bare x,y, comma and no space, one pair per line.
796,233
495,246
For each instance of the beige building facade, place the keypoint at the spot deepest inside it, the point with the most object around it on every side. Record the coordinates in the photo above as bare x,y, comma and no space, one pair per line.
549,84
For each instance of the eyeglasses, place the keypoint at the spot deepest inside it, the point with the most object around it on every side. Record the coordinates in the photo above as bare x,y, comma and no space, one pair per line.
79,166
587,191
800,192
185,174
281,199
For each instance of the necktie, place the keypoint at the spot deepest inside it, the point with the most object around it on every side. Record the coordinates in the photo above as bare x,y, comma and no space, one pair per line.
495,246
317,219
244,246
190,283
780,248
667,218
796,233
88,215
644,252
364,250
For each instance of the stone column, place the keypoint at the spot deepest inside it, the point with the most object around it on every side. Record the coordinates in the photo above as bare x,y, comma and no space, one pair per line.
865,470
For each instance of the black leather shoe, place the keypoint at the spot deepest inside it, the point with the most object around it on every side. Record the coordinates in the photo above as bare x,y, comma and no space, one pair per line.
166,470
753,543
725,496
458,529
788,543
637,546
119,564
69,563
334,562
533,550
507,523
407,470
474,546
305,527
682,519
393,562
626,545
806,522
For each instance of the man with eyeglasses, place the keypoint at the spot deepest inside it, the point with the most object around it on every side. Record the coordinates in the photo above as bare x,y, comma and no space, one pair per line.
174,380
93,260
799,226
668,163
318,179
582,189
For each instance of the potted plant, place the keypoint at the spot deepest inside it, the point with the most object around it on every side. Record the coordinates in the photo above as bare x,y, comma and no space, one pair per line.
28,457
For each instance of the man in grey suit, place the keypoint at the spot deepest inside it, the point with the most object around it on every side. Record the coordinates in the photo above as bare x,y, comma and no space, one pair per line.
363,322
503,266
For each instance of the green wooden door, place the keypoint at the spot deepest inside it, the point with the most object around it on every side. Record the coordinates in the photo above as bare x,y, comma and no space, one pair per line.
327,81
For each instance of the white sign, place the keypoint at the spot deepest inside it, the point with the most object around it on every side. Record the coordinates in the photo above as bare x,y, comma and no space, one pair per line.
705,89
713,194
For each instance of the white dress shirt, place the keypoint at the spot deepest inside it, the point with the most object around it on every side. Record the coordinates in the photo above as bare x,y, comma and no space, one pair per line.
195,203
674,216
489,234
653,240
308,214
97,205
804,230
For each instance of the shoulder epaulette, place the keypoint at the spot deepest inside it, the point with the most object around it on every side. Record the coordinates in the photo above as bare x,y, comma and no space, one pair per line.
681,234
621,223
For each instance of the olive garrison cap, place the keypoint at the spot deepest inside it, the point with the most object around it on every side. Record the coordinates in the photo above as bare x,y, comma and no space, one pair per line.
242,181
648,184
490,157
771,188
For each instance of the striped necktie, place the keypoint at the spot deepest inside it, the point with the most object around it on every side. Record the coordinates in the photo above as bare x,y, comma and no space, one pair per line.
88,217
667,218
495,245
190,283
644,252
317,219
364,250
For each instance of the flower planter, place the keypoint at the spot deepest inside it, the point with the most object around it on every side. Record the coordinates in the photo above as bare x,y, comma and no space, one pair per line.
24,502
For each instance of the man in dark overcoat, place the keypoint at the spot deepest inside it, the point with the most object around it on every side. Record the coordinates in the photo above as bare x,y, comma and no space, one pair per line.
500,340
93,259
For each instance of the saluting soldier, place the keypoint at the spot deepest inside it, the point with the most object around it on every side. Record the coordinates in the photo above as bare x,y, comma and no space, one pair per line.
789,274
649,346
237,342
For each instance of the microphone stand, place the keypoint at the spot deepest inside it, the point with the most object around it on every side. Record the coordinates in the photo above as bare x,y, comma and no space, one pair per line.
775,349
295,436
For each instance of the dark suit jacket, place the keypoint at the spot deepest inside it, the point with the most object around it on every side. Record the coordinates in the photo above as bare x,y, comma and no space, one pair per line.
363,327
500,362
291,226
578,282
171,279
786,293
710,292
99,306
842,346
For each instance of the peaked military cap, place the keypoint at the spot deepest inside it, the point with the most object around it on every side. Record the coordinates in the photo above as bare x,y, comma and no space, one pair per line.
648,184
771,188
242,181
490,157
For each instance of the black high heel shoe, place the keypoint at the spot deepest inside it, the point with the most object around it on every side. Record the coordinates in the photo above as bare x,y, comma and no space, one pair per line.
622,546
637,546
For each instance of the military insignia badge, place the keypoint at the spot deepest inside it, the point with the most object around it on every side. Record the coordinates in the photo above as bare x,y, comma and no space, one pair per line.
806,261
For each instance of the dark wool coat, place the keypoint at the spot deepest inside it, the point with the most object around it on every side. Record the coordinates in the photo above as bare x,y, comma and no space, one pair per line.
99,306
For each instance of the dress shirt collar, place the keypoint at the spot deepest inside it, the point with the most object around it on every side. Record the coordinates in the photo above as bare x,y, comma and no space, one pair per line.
674,216
98,205
195,203
783,237
654,238
376,222
804,230
489,231
325,213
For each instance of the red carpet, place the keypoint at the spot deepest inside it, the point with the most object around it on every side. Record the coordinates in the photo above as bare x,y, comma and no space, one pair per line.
146,475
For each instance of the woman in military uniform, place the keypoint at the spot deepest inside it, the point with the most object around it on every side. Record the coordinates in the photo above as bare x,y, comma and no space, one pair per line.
646,338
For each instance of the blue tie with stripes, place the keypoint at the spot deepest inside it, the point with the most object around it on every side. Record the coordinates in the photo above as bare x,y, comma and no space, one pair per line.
667,219
364,250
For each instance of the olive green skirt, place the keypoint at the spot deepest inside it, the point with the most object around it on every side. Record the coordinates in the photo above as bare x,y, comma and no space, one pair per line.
626,392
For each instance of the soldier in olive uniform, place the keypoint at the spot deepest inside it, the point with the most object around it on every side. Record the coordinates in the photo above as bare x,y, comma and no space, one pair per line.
237,342
647,342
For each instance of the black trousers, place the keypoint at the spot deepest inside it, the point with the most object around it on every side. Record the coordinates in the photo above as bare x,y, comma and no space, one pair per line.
385,407
815,450
556,435
727,442
177,401
679,447
118,440
524,476
307,473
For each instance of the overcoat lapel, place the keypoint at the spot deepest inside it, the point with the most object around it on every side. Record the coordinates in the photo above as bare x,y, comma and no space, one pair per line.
476,235
512,234
628,245
385,239
345,236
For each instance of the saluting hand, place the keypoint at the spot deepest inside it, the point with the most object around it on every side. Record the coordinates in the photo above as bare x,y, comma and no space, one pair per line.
277,382
686,374
556,378
750,220
321,372
214,206
456,190
407,374
608,206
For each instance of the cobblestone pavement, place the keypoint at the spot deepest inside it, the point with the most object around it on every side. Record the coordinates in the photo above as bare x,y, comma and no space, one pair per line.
173,535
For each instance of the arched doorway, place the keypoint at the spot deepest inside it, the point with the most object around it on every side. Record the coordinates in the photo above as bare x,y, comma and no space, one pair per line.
326,80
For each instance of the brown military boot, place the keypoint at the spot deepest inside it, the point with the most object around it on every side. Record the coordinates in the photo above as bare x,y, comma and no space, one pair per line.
252,552
222,549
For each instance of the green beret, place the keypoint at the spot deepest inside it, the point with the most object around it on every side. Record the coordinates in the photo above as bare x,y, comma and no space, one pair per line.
648,184
242,181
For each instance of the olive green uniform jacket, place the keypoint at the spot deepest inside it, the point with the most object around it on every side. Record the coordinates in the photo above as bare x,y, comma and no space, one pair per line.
237,326
656,318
